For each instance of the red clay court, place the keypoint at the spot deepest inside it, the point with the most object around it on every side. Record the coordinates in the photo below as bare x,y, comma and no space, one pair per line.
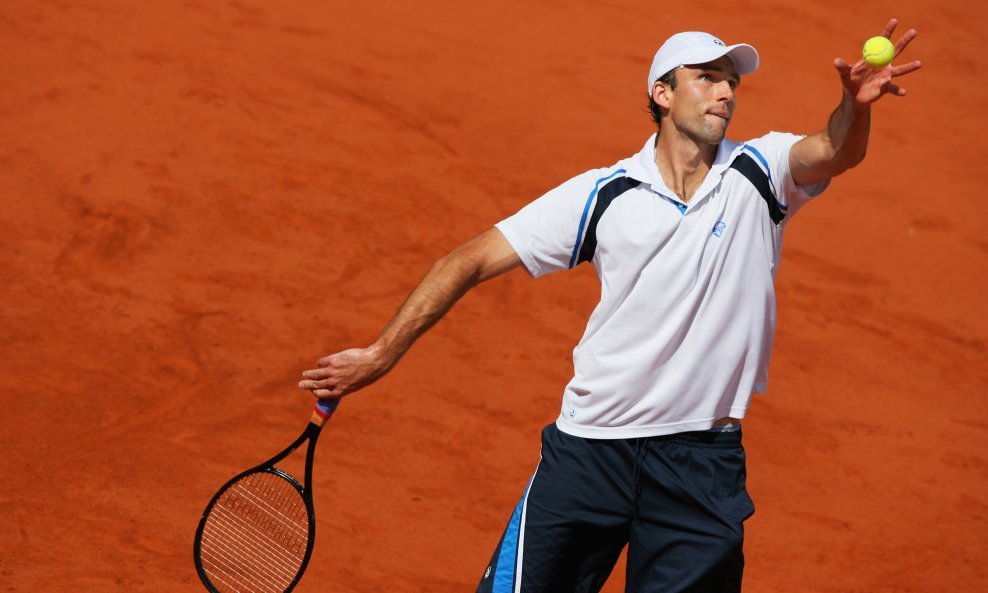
201,198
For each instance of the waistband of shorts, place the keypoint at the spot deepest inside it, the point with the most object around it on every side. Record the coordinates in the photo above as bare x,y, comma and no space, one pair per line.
699,438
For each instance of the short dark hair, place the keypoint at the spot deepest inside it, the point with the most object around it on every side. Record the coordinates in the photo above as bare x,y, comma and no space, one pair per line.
669,78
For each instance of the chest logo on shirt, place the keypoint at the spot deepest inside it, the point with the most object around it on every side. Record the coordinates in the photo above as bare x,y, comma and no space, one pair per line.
718,230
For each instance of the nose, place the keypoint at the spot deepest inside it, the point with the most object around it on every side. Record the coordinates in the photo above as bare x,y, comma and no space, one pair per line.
724,92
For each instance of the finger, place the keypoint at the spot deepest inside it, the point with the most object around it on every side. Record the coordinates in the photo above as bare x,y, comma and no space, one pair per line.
890,28
896,90
906,68
327,393
320,373
905,40
321,384
860,67
310,385
843,68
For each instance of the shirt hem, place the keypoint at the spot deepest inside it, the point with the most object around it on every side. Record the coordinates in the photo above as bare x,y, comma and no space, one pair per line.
654,430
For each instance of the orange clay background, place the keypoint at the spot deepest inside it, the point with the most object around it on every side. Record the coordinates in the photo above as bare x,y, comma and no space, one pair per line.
202,197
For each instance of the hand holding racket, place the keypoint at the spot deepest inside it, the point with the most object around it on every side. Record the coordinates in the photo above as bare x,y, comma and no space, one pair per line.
257,532
343,373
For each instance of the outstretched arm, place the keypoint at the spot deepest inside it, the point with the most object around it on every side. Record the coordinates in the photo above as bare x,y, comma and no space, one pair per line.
842,144
482,258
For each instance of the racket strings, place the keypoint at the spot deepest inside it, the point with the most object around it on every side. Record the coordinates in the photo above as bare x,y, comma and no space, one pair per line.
256,535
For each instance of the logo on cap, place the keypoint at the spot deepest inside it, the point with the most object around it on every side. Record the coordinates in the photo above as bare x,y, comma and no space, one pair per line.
719,42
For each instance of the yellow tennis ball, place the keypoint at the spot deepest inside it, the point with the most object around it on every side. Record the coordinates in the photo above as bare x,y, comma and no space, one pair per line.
878,51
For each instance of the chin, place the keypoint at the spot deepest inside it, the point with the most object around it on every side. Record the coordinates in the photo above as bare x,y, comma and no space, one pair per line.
710,130
712,135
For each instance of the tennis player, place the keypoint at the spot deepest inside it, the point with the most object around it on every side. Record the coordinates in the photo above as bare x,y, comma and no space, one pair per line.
686,237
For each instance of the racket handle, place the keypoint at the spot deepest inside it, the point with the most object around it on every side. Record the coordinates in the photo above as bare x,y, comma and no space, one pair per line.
324,409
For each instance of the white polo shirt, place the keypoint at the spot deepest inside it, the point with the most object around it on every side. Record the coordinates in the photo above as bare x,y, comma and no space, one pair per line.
684,328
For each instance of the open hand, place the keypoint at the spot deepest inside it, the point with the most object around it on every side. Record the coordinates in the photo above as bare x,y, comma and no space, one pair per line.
865,84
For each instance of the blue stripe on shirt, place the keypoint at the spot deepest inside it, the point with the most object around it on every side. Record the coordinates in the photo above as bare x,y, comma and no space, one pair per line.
586,211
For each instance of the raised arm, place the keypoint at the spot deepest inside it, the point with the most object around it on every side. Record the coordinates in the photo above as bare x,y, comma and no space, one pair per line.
482,258
843,143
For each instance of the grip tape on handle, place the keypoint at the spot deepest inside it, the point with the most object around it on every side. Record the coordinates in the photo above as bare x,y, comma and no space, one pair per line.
324,409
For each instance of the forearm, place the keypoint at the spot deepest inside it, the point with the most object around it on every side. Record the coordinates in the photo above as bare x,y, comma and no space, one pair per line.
847,134
485,256
841,145
349,370
442,286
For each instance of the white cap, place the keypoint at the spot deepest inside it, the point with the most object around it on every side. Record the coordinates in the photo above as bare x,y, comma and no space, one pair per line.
694,47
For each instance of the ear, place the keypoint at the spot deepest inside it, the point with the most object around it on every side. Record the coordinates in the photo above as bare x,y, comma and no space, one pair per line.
662,94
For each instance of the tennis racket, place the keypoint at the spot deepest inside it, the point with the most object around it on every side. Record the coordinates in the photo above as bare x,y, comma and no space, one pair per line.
256,534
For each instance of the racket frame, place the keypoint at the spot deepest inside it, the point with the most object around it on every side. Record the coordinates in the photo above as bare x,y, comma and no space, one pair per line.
311,434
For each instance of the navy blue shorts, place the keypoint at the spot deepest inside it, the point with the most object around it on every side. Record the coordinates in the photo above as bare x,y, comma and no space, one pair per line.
678,502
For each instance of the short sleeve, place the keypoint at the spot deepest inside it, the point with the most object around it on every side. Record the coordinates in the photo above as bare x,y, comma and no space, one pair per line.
774,148
545,233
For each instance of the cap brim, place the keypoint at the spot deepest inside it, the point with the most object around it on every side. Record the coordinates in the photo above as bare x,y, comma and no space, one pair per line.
744,56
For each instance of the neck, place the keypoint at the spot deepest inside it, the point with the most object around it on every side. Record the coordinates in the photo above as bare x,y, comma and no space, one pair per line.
683,162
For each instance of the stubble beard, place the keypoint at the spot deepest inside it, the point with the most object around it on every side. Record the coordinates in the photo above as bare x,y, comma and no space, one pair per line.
705,131
701,127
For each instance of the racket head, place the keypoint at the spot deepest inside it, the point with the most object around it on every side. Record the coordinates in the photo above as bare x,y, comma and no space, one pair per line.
256,534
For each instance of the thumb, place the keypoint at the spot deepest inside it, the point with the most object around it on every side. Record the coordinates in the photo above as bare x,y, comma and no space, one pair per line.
843,68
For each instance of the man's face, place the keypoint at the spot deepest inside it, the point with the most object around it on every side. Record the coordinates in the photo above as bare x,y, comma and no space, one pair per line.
702,105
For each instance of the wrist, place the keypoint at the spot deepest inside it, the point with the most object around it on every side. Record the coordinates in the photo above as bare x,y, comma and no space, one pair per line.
385,351
850,103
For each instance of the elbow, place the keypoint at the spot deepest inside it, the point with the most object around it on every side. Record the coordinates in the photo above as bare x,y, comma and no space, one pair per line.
845,160
855,158
462,265
482,258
